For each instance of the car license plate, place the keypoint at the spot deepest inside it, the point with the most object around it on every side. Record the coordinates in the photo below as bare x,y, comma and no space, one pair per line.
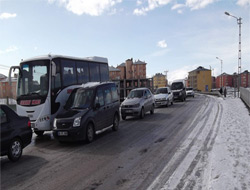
129,111
62,133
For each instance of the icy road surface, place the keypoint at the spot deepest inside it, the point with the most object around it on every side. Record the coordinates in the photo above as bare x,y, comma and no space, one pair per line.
203,143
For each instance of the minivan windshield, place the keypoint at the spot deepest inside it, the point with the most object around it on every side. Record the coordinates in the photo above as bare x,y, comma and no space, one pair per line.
83,98
162,91
135,94
177,86
189,88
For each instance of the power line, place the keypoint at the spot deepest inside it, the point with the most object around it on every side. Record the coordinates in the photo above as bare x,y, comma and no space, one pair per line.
4,66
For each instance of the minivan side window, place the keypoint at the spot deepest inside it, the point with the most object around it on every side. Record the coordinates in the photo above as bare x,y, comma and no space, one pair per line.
107,95
99,97
114,93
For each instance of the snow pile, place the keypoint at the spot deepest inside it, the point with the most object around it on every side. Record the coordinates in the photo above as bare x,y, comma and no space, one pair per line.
229,163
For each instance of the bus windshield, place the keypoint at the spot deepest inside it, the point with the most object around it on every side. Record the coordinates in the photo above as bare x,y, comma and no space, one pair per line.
83,98
34,78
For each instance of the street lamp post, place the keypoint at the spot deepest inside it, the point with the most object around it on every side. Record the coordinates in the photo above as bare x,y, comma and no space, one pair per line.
221,78
239,53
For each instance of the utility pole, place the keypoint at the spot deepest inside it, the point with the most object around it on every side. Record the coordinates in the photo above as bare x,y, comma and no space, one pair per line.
239,53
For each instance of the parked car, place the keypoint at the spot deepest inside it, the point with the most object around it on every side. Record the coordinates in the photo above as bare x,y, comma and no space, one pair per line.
94,109
16,133
163,97
190,92
178,88
138,102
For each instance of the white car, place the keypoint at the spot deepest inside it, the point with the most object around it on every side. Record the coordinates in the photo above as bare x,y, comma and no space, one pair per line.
190,92
138,102
164,97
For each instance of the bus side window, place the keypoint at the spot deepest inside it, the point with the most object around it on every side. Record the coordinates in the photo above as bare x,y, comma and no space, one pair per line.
104,72
82,72
69,72
94,72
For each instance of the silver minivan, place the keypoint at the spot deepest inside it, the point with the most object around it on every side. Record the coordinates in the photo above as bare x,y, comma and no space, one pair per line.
138,102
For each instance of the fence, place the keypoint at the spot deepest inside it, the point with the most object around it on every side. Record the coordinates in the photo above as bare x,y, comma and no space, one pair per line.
245,95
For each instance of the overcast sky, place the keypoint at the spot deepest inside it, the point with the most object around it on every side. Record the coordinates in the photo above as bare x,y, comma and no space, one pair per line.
173,35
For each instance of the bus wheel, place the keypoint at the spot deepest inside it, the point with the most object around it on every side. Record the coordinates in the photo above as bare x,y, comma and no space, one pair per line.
39,133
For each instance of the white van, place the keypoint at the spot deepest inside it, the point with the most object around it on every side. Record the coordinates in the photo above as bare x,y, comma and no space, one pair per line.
178,88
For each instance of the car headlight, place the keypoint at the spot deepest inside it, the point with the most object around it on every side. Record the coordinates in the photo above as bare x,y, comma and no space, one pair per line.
180,93
54,124
77,122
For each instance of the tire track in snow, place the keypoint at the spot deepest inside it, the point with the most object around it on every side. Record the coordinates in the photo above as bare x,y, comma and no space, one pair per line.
197,126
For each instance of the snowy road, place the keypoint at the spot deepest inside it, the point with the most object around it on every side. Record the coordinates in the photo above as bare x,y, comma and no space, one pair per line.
202,143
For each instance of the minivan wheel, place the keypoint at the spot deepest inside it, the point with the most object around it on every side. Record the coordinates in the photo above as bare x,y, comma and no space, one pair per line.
115,123
15,150
142,113
90,133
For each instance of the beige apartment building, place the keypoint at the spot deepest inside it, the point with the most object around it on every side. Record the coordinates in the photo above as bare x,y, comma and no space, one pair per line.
159,80
200,79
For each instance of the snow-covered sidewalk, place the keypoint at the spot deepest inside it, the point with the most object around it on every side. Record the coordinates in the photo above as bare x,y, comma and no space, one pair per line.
216,153
229,161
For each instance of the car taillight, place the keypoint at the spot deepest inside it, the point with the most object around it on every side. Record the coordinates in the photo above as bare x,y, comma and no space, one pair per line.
29,124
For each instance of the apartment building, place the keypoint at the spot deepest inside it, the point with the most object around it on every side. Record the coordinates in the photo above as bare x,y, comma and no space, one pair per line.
200,79
245,79
224,80
7,90
159,80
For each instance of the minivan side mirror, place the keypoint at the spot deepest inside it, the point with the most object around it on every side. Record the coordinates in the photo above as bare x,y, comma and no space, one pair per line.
169,92
97,105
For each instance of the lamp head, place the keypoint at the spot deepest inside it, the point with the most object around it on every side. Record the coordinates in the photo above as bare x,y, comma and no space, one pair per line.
226,13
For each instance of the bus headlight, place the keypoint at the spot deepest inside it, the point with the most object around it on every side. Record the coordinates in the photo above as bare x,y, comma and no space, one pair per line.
77,122
54,124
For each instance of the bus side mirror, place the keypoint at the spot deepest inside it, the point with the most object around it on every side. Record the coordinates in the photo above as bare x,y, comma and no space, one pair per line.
13,68
53,68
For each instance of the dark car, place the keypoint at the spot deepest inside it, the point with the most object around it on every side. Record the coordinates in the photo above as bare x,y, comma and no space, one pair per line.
16,133
91,109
